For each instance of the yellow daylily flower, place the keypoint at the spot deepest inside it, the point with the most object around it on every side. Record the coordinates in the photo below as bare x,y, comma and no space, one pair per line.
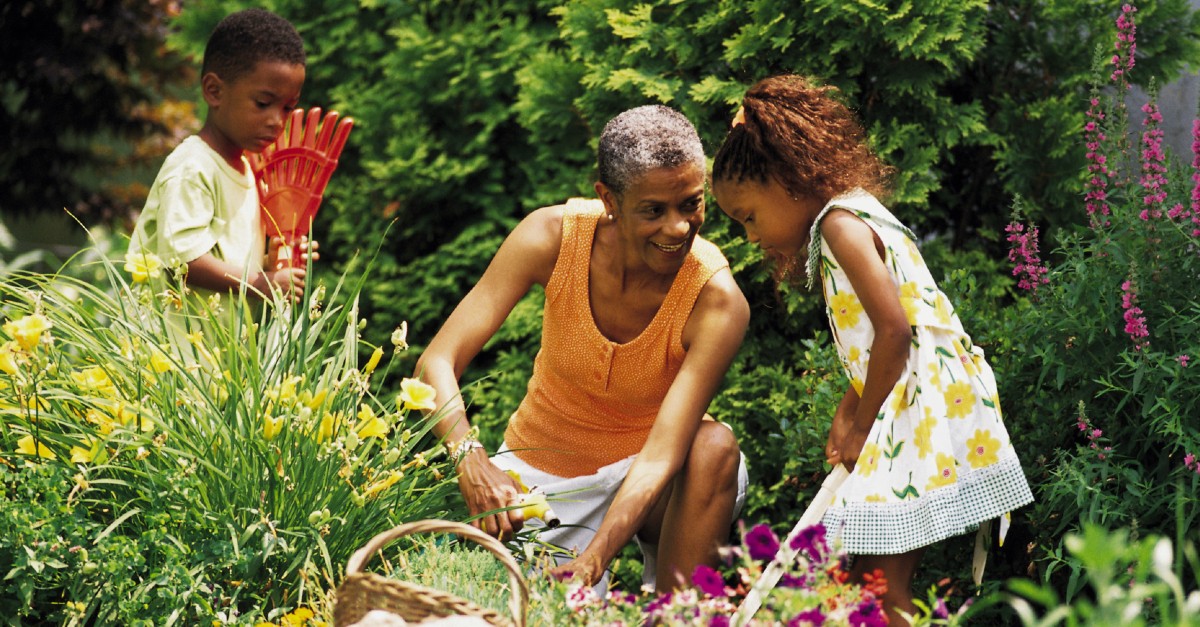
28,331
28,446
159,362
325,429
416,394
370,425
84,454
373,362
9,362
143,266
271,427
95,379
382,484
960,400
983,449
845,309
947,473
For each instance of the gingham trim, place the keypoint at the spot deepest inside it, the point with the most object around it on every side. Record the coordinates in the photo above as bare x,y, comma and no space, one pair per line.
892,528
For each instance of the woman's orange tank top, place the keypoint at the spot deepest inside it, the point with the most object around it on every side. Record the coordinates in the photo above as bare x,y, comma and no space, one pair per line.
591,401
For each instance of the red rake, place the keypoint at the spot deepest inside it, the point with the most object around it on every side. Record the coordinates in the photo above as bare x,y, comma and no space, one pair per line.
292,173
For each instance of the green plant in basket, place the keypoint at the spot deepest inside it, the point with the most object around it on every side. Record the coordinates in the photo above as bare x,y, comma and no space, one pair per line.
239,450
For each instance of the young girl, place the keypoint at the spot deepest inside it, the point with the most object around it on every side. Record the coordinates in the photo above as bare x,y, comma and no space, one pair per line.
920,426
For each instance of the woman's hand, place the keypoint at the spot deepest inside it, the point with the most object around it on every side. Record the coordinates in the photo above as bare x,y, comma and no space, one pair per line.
486,488
586,569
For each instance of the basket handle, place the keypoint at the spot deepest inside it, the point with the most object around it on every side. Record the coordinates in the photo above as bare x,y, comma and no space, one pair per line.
518,603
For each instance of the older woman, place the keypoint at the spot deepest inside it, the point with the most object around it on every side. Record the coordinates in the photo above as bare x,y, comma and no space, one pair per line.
642,319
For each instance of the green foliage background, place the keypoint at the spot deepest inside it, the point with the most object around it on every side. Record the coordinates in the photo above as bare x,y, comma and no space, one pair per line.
471,114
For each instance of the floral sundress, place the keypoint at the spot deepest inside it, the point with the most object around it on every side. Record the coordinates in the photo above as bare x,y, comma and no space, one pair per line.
938,460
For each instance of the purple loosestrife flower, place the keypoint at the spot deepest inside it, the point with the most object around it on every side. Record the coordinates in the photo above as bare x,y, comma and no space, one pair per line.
1096,196
1154,169
708,580
1023,253
812,617
762,543
1135,320
1183,360
1126,46
1191,463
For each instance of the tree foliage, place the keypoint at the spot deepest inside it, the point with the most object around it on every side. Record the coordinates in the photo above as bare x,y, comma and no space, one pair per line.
86,107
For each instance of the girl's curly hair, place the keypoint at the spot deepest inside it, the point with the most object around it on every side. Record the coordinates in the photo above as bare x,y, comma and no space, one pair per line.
801,135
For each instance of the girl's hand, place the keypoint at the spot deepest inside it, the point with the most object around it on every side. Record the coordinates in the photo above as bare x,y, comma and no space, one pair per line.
585,569
840,447
846,446
486,488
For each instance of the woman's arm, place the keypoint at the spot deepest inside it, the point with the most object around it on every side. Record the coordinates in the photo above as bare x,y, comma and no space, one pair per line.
712,337
526,257
860,253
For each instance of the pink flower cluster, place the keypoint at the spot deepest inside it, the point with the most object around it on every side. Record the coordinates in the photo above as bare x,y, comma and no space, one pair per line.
1126,46
1135,319
1093,435
1023,253
1190,462
1154,169
1098,172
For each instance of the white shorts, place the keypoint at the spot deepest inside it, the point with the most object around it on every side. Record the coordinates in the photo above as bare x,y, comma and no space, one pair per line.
581,503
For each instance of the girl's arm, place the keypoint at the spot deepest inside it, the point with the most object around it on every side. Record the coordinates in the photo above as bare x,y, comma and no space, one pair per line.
860,253
712,337
526,257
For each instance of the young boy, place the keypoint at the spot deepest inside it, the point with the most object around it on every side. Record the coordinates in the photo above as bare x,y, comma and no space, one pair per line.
203,209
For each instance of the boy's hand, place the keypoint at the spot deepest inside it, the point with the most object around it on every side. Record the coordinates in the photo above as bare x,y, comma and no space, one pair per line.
280,254
288,281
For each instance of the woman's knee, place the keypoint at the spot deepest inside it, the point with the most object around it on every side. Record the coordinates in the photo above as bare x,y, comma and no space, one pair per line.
714,452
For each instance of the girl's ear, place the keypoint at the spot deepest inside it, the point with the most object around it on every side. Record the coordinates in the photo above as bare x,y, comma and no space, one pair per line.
211,87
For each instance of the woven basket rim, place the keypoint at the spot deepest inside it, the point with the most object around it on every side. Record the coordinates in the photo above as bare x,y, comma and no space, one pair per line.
361,589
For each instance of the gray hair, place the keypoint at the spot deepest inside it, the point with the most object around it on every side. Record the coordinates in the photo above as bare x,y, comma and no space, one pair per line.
643,139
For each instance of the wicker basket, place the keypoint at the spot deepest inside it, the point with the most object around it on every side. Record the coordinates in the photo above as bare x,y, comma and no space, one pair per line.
362,592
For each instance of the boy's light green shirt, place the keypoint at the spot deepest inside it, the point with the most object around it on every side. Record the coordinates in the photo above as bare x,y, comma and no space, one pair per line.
200,204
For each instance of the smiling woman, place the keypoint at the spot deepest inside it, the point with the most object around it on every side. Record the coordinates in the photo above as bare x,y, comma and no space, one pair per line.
642,320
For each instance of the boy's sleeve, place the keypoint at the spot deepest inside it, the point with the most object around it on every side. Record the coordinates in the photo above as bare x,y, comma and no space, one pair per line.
186,212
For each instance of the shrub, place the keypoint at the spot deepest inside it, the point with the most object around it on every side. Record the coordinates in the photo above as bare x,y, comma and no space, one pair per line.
1102,398
225,475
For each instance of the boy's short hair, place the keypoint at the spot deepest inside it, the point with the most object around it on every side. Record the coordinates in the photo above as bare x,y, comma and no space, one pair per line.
244,38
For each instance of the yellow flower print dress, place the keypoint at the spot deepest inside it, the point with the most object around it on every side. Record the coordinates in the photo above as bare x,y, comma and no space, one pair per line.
938,460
